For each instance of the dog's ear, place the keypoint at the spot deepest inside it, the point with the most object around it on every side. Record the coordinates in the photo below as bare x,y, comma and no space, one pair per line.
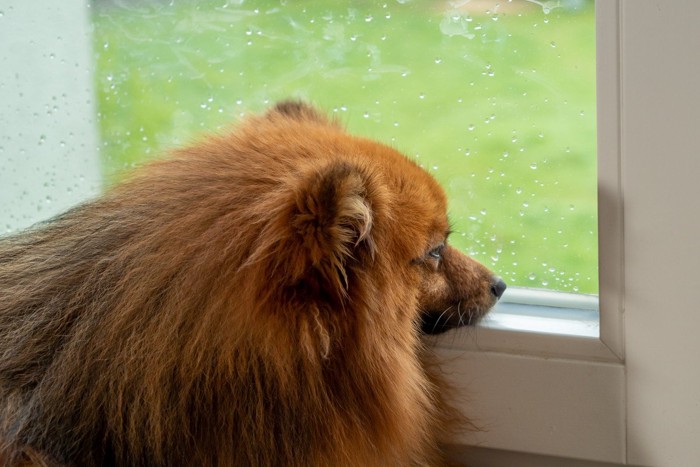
299,111
331,230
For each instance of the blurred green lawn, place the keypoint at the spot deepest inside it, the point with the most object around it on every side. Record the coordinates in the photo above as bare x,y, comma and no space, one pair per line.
499,105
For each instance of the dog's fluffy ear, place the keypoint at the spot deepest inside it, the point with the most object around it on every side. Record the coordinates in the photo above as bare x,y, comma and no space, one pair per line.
300,111
331,229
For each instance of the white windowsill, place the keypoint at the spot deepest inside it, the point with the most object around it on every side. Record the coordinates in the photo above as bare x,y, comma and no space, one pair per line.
546,312
537,323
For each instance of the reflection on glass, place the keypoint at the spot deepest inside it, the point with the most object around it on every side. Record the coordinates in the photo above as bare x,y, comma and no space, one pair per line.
497,99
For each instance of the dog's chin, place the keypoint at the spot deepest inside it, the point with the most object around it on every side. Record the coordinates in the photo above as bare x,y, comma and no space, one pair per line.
434,322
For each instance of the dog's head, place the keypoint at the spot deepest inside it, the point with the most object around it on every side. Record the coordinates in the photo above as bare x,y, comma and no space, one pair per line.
363,223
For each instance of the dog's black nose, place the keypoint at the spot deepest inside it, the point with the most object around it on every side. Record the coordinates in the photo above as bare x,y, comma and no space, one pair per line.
498,287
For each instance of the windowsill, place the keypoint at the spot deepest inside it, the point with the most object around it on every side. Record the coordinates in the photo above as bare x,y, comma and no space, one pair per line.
540,323
546,312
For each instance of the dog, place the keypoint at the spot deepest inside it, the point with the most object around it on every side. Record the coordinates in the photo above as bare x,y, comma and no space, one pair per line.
260,298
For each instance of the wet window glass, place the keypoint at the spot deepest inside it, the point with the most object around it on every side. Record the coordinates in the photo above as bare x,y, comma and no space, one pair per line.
495,98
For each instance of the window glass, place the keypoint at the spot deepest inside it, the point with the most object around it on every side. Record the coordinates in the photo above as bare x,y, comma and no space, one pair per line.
495,98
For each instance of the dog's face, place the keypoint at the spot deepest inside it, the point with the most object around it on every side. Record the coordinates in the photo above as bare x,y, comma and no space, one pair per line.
453,290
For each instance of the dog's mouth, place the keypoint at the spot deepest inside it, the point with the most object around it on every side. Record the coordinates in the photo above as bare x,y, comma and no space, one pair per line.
459,314
455,316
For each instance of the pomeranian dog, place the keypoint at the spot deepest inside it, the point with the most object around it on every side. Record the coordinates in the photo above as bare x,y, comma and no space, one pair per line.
258,299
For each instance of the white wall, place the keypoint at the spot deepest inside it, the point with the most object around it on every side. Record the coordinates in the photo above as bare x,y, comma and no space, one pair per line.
661,185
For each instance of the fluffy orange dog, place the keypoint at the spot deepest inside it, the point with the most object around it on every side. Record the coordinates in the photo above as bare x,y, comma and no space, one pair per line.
259,299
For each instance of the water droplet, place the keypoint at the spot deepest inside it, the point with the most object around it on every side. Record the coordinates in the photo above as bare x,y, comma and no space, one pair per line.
471,127
553,44
368,19
532,276
366,114
353,38
438,60
533,166
483,212
421,96
518,190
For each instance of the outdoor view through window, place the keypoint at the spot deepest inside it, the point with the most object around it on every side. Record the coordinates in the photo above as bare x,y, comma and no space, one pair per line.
495,98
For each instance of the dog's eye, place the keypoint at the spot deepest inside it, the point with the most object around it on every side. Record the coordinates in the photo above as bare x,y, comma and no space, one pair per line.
436,252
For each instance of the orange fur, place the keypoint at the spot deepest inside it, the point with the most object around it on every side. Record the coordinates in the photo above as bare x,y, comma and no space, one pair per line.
257,299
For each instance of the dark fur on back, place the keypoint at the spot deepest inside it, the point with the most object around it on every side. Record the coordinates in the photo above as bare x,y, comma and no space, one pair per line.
247,301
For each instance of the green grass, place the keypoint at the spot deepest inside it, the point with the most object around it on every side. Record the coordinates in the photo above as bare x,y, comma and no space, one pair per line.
500,107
